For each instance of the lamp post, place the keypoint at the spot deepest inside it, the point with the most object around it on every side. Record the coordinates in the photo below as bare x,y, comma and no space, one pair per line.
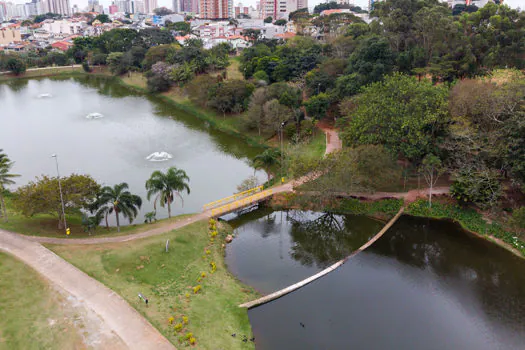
281,132
61,196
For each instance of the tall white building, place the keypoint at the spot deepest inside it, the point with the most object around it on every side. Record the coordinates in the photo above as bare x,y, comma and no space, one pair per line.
62,7
150,5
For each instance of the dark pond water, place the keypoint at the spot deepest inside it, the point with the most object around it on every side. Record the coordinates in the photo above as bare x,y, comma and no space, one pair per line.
425,284
273,249
104,129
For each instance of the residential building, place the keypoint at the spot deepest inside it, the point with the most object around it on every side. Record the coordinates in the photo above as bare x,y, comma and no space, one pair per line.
9,35
268,8
61,7
237,10
302,4
150,5
64,26
191,6
215,9
175,6
123,6
113,9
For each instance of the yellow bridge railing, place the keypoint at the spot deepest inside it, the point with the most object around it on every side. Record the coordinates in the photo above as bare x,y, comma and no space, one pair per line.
238,204
232,198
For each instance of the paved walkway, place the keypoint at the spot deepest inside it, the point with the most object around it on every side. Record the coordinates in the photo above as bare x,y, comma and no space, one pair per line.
115,313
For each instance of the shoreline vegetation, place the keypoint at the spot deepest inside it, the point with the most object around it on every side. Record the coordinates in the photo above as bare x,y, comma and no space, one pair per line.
469,219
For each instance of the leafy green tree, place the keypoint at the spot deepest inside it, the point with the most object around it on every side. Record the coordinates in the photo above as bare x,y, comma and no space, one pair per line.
43,196
118,200
6,178
267,160
261,75
166,185
268,19
118,63
478,186
16,65
102,18
317,106
518,217
230,96
182,27
280,22
404,115
90,223
162,11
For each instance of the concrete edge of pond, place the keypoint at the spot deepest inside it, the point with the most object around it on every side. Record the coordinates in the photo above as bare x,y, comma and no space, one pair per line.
293,287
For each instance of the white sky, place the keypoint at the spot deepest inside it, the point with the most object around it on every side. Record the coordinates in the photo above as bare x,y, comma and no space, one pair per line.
311,3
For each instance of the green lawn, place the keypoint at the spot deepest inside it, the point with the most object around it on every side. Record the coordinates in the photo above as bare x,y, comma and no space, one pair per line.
51,71
168,279
31,314
47,225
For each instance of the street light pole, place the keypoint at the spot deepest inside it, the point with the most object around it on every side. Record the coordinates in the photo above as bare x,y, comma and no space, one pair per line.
61,196
282,126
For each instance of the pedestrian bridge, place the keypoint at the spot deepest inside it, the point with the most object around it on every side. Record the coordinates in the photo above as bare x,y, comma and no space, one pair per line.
239,201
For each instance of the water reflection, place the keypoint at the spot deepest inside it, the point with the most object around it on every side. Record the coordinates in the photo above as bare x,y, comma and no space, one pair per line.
275,249
426,284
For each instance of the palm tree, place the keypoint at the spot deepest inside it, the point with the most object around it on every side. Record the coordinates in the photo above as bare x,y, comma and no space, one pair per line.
5,178
266,160
166,185
119,200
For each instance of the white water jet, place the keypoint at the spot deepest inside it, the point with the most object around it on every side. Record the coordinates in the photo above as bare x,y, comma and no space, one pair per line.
159,157
45,96
94,116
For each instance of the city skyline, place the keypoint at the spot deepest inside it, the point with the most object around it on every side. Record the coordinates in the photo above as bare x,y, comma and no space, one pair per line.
311,3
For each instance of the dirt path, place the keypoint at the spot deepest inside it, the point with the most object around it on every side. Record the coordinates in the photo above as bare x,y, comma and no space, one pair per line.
115,314
333,142
118,239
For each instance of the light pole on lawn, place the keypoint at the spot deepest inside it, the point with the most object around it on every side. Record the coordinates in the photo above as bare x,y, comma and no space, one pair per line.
61,196
281,131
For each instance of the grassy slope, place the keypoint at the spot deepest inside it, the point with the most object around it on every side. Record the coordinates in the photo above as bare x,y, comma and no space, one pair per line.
144,267
27,306
43,73
46,225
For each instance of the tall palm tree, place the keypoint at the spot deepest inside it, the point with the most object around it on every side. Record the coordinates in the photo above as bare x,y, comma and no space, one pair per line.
119,200
266,160
6,178
166,185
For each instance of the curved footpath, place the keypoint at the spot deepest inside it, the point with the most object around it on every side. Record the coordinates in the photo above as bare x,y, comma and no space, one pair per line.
115,313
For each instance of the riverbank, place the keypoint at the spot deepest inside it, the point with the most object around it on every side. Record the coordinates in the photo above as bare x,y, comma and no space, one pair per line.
471,221
191,293
383,209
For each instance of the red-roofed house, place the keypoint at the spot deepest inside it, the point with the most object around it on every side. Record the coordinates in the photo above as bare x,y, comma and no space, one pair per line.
61,45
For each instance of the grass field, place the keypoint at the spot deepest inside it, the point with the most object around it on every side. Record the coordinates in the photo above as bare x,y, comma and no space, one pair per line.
31,314
168,280
47,225
46,72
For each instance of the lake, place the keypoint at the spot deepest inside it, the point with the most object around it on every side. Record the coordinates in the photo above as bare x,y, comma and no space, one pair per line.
426,284
101,128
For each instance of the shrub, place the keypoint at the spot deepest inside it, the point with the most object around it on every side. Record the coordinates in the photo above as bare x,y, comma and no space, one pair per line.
203,274
518,217
171,319
197,289
188,335
85,67
479,187
178,327
185,319
192,340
